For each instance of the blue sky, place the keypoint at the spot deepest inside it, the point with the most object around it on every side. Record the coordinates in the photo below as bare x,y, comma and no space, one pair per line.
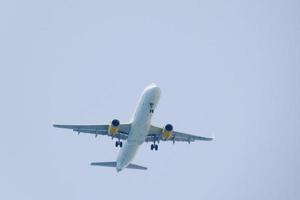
228,68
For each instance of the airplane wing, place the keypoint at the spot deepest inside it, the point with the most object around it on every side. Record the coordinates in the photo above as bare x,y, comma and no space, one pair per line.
155,133
98,129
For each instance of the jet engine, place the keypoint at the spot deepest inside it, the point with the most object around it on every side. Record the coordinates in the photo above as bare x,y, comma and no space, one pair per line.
113,127
167,132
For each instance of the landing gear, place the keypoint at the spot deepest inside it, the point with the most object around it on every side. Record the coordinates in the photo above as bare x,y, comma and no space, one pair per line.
119,143
154,146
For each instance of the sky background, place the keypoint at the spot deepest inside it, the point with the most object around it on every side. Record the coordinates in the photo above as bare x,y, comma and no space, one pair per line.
228,68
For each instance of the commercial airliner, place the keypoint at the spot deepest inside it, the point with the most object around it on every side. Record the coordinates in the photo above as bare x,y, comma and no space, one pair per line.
136,132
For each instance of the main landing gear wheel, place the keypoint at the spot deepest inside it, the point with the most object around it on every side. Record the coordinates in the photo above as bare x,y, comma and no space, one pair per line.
154,146
119,143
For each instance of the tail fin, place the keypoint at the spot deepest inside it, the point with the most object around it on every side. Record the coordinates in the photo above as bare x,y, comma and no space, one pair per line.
114,164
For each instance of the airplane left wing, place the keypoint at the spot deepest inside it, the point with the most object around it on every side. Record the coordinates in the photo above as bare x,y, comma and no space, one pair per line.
122,133
156,133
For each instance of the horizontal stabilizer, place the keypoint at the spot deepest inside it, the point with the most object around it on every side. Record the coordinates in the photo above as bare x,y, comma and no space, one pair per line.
133,166
114,164
105,164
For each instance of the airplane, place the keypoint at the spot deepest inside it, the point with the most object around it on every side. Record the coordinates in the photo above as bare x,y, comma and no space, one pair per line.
136,132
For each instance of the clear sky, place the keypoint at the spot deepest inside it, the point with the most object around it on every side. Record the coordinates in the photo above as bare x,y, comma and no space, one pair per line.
228,68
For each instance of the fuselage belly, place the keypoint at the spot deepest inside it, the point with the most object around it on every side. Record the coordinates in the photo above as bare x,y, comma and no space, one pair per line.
140,125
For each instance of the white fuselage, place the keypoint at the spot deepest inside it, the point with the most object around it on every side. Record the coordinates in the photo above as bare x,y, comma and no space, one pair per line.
140,125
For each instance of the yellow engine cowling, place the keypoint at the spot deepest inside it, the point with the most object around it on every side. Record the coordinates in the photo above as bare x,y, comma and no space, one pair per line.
167,132
113,128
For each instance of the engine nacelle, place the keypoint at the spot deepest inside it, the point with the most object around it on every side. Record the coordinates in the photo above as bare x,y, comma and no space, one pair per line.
167,132
113,128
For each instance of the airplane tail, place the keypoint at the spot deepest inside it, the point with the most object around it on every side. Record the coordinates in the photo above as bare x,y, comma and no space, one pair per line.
114,164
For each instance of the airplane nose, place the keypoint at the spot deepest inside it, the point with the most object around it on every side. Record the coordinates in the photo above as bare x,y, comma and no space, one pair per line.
152,85
157,89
